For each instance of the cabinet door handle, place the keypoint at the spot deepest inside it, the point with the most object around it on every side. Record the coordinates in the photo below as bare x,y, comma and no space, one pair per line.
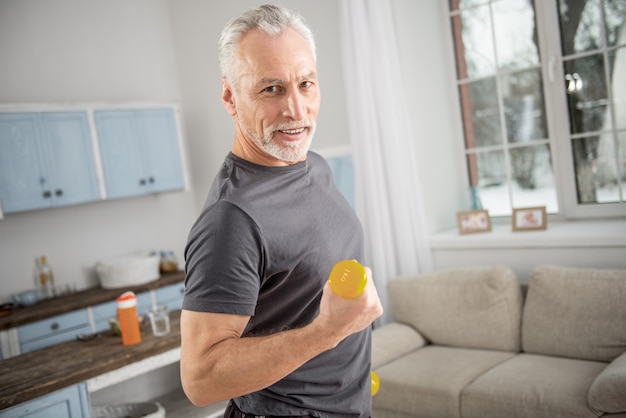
151,179
58,192
47,194
54,326
142,182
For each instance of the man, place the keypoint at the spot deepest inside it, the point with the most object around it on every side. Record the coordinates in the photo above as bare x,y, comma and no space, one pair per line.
260,324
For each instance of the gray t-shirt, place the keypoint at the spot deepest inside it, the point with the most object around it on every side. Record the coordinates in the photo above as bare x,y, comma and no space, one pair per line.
263,246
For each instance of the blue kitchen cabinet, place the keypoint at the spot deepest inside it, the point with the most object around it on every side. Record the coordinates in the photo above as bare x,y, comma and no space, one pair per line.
144,303
171,296
140,151
69,402
46,160
54,330
102,313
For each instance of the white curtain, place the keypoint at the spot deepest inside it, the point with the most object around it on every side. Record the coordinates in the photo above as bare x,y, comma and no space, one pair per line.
388,195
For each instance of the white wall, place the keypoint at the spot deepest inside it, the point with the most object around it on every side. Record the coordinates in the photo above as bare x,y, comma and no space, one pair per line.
73,50
66,51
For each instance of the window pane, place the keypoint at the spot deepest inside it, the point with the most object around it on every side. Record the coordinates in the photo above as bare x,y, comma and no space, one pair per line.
479,104
581,26
617,62
514,25
586,94
615,18
533,179
474,43
609,167
493,189
523,106
597,169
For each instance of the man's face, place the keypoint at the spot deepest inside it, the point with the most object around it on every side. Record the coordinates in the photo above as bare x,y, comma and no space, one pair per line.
277,97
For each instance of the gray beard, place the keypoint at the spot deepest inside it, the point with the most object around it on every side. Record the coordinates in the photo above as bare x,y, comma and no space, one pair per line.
293,153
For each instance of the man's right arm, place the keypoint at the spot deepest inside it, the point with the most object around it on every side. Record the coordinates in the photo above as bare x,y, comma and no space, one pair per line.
218,364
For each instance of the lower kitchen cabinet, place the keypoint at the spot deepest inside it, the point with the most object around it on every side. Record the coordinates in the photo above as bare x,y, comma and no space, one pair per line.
102,313
69,402
66,327
54,330
171,296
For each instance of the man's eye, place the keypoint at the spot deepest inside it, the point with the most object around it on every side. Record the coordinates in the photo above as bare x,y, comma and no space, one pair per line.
306,84
271,89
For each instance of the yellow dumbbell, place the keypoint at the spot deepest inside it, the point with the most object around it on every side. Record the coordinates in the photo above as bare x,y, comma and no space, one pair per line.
347,279
375,383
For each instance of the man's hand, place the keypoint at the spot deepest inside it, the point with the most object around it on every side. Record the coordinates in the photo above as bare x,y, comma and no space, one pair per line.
343,317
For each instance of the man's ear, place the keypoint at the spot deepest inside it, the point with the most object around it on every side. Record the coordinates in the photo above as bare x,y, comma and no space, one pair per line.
228,97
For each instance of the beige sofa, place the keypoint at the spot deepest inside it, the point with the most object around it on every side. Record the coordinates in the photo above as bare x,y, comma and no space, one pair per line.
467,343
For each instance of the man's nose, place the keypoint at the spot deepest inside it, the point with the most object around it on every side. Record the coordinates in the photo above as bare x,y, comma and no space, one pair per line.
295,105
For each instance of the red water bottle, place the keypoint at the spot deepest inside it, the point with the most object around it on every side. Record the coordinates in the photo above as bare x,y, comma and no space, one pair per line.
127,315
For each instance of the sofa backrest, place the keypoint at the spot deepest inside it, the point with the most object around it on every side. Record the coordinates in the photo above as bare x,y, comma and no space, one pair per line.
474,307
575,312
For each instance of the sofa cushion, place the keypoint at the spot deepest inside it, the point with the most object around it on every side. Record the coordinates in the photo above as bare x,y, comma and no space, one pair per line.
535,386
392,341
476,307
575,312
428,382
608,391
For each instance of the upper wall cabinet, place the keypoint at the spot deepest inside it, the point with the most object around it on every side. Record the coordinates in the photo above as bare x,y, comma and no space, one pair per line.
140,151
46,160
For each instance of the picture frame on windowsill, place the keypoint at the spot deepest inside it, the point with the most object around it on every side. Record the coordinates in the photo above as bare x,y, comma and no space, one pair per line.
529,219
473,221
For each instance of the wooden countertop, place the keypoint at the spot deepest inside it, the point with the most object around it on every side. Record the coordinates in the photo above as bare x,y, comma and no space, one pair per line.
59,305
28,376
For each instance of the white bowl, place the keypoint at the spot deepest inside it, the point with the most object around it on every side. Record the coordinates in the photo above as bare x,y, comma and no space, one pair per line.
128,271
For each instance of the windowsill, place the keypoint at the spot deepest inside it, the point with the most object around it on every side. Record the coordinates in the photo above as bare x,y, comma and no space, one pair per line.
597,234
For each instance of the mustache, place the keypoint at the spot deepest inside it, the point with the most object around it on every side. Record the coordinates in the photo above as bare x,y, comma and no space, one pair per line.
292,126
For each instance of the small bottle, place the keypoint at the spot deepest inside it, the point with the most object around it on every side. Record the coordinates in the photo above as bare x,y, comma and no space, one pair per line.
39,285
127,316
47,276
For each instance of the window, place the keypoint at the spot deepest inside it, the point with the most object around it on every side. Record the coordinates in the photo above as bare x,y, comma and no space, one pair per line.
531,139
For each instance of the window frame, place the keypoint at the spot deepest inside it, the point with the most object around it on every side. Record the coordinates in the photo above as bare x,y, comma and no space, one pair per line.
557,120
549,36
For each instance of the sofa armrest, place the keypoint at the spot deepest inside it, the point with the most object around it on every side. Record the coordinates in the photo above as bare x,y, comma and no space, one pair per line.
392,341
606,393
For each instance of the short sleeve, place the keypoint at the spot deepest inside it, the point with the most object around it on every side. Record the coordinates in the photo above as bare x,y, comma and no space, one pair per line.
223,262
